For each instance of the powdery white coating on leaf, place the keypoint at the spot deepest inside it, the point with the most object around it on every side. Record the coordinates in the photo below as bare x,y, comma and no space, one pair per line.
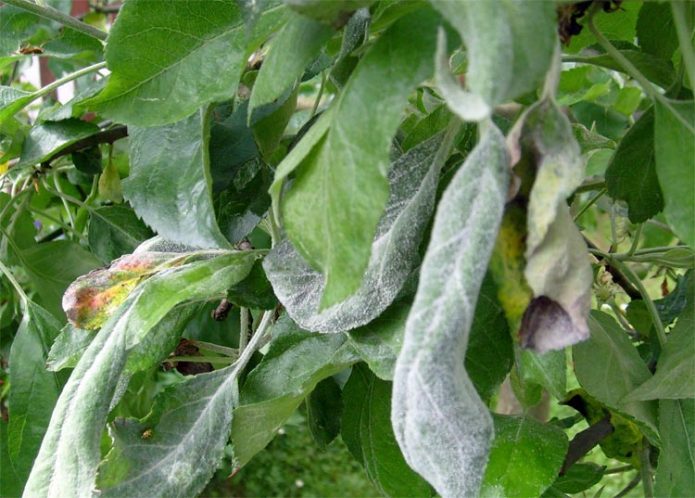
441,425
413,179
557,263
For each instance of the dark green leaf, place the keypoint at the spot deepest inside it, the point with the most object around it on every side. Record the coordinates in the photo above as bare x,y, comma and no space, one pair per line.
368,435
656,32
336,12
324,407
160,55
52,266
394,252
676,361
609,354
674,144
631,174
675,474
46,139
34,389
115,231
170,186
296,361
654,68
673,304
441,425
525,457
333,208
87,161
291,51
579,477
268,131
254,291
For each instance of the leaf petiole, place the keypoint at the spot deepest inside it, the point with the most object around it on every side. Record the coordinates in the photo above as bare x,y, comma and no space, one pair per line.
49,12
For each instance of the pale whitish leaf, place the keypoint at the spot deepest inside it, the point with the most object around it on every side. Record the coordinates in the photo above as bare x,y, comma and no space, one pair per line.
525,457
509,44
291,51
609,354
675,473
187,431
68,348
70,452
468,106
170,186
367,432
167,59
676,366
394,254
441,425
557,264
34,389
332,209
296,361
674,145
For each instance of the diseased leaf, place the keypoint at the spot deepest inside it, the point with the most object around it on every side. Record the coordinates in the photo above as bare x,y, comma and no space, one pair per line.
631,174
609,354
675,473
187,431
368,435
290,52
70,453
115,231
332,210
674,144
441,425
34,390
557,264
676,362
394,251
296,361
170,185
525,457
509,45
44,140
169,59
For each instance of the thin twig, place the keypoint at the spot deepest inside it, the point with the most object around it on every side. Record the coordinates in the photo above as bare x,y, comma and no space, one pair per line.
585,441
103,137
630,486
56,15
618,277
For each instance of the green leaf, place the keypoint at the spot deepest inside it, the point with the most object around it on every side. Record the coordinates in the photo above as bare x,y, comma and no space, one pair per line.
525,457
332,210
290,52
509,45
674,144
394,251
676,361
675,473
655,69
52,266
46,139
115,231
631,174
490,354
609,354
379,342
334,12
324,407
34,389
547,370
615,25
12,101
296,361
268,130
160,53
170,186
177,447
557,265
656,32
579,477
70,452
368,435
68,347
441,425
